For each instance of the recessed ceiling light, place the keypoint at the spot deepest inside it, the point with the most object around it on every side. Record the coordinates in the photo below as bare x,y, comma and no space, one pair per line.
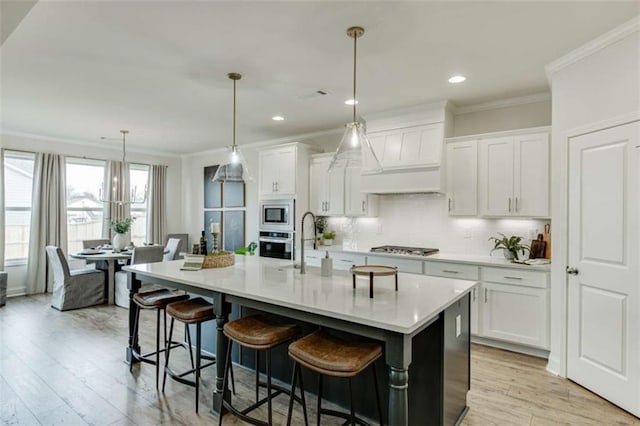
277,118
457,79
351,102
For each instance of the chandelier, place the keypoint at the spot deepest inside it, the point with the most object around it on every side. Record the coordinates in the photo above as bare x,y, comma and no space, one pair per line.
115,189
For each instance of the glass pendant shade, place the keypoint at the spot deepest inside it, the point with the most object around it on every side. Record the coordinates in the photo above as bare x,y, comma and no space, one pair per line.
355,151
236,161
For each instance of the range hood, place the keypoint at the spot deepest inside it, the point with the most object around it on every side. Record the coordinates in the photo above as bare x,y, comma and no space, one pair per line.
404,181
228,173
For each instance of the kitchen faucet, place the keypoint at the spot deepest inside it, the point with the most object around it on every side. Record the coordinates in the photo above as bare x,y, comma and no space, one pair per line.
315,239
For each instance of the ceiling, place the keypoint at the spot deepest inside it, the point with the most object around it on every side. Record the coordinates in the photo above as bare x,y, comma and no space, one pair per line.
79,70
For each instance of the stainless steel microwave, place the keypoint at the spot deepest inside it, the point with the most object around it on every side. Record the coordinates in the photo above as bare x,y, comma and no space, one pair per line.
277,215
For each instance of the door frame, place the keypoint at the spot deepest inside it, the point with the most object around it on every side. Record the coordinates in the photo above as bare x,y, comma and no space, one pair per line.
558,311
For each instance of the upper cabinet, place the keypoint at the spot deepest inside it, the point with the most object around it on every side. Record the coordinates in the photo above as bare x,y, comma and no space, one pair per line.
284,172
462,178
338,193
409,147
513,175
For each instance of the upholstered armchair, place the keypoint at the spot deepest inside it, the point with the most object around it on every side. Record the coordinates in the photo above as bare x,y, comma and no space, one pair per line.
74,289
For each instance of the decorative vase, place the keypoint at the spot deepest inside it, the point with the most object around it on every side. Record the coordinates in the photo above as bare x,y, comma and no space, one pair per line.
327,242
119,242
508,254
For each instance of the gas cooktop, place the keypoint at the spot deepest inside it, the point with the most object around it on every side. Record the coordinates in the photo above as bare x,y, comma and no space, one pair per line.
413,251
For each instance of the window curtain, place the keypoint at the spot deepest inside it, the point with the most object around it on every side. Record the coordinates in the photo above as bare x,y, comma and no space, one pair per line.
1,209
116,176
157,209
48,217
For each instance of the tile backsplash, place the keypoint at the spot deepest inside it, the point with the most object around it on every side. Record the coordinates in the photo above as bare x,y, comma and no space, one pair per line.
422,220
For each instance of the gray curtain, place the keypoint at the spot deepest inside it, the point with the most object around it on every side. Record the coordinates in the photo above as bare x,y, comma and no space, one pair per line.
117,189
157,207
48,217
1,209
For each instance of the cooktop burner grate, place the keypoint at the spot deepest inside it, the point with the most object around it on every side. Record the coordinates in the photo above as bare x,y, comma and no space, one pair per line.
414,251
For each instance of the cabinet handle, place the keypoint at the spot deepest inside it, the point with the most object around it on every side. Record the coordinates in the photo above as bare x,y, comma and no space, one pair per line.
276,186
509,204
347,260
363,209
516,204
474,294
485,295
449,204
450,272
513,278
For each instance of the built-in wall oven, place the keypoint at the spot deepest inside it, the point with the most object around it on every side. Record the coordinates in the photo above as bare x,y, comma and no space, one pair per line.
277,215
277,223
276,244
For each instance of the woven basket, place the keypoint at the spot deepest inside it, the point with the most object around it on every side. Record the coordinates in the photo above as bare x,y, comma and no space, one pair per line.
221,260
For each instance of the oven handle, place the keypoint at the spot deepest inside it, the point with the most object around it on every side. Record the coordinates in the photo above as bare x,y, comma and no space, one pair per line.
275,240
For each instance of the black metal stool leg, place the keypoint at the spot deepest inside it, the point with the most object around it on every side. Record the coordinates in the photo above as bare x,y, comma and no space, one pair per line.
352,408
304,403
135,336
197,372
257,375
188,333
269,385
294,378
375,382
167,351
319,397
157,346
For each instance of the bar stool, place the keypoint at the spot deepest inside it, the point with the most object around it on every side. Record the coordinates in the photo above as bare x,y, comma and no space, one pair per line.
332,356
158,300
191,311
259,333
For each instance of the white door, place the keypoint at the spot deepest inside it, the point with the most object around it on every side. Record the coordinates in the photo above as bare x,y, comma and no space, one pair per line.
495,166
603,288
462,178
531,177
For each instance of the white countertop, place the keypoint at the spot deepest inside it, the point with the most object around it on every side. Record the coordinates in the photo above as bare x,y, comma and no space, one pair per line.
446,257
419,299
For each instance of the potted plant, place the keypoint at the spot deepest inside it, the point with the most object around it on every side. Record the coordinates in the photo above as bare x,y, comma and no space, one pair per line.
321,225
510,246
121,229
328,237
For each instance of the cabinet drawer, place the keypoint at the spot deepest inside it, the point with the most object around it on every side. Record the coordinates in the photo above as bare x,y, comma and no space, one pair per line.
515,277
344,261
451,270
313,258
412,266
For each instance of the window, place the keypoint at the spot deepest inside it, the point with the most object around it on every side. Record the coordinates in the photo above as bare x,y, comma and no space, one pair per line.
138,181
84,208
18,184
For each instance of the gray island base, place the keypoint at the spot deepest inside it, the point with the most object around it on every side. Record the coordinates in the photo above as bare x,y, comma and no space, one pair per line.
424,328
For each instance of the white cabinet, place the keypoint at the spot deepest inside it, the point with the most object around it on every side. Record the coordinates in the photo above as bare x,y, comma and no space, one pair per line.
513,175
327,188
357,203
409,147
342,260
462,178
278,171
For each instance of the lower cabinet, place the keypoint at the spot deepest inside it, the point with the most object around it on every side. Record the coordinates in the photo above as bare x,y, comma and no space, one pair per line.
341,260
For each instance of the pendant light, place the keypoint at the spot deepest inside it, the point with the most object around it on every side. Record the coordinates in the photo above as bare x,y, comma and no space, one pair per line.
116,189
235,157
355,150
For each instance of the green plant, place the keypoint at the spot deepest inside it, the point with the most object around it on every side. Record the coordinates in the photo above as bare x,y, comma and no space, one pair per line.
121,226
329,235
511,244
321,224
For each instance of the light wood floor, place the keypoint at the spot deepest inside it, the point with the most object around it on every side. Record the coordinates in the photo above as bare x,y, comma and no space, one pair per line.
67,368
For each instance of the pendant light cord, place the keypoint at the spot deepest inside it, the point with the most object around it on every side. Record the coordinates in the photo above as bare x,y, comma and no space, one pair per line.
355,50
124,148
234,115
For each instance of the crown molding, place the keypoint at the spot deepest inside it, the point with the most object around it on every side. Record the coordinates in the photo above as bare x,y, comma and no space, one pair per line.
288,139
110,145
503,103
593,46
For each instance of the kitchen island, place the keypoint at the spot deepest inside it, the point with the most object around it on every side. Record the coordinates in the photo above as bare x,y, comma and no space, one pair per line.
424,326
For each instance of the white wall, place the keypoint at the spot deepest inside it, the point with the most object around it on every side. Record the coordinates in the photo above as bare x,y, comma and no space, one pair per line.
602,85
16,274
506,118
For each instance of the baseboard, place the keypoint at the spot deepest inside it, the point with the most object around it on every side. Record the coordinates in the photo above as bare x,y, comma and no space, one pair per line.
513,347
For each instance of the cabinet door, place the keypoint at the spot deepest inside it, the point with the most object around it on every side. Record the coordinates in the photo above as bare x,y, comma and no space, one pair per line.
515,314
462,178
531,175
496,168
285,165
318,185
268,172
335,192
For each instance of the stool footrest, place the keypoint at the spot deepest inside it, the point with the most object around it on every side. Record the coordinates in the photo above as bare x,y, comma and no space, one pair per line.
345,416
146,357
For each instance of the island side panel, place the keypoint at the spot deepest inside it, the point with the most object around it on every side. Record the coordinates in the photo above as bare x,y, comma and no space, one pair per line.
457,360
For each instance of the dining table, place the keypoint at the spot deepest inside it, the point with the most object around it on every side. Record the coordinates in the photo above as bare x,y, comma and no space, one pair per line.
112,258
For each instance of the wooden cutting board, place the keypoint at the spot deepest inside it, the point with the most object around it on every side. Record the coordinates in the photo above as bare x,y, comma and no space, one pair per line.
546,237
537,248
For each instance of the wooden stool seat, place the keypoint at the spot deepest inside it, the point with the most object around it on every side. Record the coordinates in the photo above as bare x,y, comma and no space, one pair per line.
157,298
258,332
332,356
191,311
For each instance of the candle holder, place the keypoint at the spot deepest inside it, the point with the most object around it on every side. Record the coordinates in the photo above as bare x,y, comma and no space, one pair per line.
214,236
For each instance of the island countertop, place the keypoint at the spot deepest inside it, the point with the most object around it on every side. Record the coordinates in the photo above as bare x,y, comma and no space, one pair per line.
418,300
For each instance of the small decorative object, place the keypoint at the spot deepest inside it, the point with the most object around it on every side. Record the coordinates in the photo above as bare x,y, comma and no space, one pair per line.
326,265
328,238
195,249
510,246
219,259
250,249
372,271
215,231
121,229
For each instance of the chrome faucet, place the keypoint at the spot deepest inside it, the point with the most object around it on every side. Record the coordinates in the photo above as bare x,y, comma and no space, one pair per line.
315,239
